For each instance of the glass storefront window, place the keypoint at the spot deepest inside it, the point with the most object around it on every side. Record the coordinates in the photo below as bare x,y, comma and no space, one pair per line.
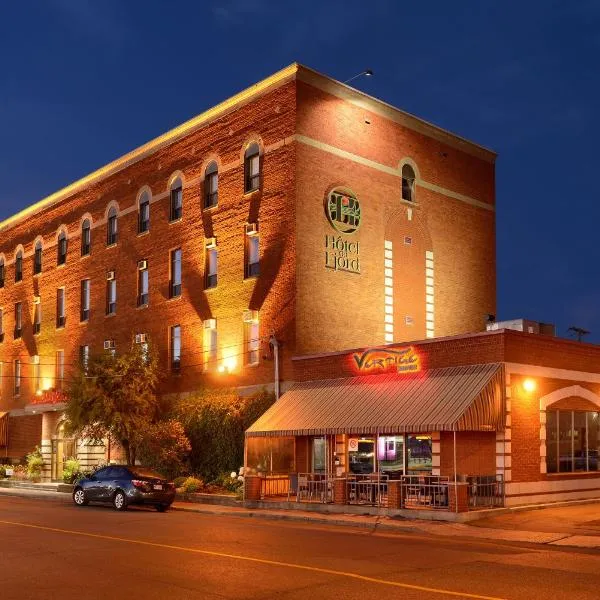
318,455
418,453
270,455
390,453
572,441
361,455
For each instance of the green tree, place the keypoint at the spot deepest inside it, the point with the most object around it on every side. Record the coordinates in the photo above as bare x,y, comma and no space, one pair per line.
165,447
115,396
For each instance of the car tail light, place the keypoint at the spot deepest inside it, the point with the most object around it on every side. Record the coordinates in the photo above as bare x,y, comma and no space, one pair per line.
142,485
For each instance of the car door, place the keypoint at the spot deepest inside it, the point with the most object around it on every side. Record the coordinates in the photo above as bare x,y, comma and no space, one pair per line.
94,487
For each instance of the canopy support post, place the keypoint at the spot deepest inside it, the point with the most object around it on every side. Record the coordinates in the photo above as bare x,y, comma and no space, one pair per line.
455,475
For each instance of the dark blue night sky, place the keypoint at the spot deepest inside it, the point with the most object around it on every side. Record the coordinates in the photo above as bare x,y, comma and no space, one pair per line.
84,81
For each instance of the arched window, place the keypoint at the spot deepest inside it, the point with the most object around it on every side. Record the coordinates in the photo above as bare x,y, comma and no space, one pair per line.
408,183
144,213
111,227
19,266
61,249
1,275
211,185
86,237
252,168
37,258
176,193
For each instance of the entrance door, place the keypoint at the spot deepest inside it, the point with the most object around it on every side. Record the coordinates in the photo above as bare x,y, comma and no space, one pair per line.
62,449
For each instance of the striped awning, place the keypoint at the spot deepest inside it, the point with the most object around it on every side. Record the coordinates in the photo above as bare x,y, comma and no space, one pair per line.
3,429
467,398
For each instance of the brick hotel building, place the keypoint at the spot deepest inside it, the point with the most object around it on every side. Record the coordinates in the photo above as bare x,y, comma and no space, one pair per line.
300,209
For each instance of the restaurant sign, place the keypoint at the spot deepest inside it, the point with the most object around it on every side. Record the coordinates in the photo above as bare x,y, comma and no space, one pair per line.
342,209
403,359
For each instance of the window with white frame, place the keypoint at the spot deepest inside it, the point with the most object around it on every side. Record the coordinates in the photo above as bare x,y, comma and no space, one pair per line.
37,258
176,203
211,185
175,283
175,347
209,343
211,265
143,283
144,213
61,249
111,227
86,237
19,266
60,308
252,168
84,313
252,252
37,315
251,337
111,293
17,377
18,320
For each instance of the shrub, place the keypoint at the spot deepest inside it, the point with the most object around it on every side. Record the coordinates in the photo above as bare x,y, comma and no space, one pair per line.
165,447
215,421
2,472
71,470
35,464
192,485
179,481
229,483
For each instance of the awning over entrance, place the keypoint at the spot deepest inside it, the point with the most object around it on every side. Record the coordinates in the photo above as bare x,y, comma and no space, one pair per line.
3,429
467,398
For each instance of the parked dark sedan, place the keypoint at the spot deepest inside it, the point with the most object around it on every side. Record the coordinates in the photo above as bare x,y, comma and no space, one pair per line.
122,486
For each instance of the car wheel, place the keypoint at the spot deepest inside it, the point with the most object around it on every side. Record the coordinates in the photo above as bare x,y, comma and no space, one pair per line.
79,497
162,507
120,501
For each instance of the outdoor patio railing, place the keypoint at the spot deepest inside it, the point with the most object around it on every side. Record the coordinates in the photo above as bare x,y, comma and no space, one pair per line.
371,490
274,485
485,491
429,491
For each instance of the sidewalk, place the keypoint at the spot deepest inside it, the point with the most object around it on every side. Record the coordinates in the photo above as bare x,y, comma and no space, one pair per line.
560,526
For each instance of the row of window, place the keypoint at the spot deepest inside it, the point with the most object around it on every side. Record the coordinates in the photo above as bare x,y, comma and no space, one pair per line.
252,269
250,353
210,199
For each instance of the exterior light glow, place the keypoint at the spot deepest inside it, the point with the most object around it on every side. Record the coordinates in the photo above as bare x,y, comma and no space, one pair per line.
529,385
38,392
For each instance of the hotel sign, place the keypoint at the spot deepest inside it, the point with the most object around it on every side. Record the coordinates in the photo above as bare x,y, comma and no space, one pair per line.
380,360
343,213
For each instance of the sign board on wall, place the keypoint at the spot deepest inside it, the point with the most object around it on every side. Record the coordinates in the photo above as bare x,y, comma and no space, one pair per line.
342,210
402,359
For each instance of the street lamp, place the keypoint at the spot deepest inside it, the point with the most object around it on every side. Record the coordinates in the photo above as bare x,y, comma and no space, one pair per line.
366,73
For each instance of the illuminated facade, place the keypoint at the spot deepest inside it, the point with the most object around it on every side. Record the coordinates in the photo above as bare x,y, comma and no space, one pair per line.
300,209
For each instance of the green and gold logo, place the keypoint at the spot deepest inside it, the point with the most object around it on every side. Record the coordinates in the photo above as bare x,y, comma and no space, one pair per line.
343,211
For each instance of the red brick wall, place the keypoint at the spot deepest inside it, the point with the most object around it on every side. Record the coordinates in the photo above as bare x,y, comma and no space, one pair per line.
475,453
24,434
271,120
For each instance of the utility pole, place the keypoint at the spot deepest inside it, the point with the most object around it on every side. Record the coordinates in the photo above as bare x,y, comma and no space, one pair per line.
579,332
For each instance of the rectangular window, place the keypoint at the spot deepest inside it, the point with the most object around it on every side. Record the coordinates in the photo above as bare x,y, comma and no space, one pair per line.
211,269
175,287
1,273
60,369
144,216
1,325
175,344
176,204
60,307
251,338
19,267
390,455
18,320
211,189
84,358
85,300
35,363
17,374
111,295
252,255
572,441
86,238
37,316
143,282
418,454
210,344
37,259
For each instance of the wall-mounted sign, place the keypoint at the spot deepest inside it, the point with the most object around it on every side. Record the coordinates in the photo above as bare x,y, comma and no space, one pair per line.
376,360
343,213
352,444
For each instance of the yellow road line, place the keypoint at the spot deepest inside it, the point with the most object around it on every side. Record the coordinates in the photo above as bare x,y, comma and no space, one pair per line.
263,561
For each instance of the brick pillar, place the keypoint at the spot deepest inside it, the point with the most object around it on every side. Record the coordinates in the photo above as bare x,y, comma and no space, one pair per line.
458,497
339,491
252,485
395,497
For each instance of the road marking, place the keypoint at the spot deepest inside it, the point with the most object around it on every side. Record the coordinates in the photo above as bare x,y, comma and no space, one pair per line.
263,561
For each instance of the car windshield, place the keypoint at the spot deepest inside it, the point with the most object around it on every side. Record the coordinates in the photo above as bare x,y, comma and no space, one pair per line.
141,472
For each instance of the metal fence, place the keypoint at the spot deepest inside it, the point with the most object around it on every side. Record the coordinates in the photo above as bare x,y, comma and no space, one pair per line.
274,485
311,487
428,491
485,491
371,490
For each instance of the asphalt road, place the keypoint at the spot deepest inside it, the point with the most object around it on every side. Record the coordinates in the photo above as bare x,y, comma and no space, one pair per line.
52,550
